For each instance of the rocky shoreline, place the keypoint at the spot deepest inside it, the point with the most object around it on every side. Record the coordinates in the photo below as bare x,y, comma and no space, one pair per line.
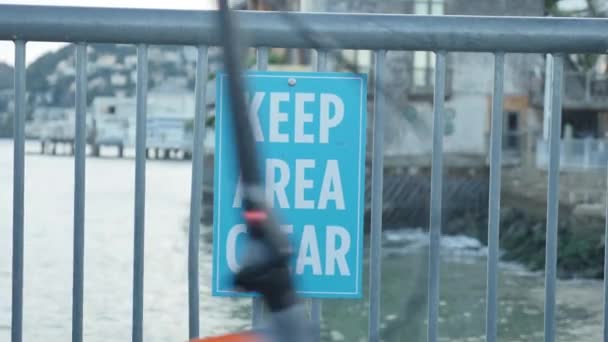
581,228
522,239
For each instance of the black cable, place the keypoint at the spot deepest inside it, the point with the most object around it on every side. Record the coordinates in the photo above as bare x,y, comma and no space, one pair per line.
246,150
265,269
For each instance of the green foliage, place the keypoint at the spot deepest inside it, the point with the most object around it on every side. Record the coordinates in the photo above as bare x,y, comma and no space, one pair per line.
39,70
189,126
276,58
6,76
6,126
210,121
251,61
551,7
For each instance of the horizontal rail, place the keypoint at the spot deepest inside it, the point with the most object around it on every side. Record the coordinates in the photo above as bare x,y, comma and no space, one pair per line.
276,29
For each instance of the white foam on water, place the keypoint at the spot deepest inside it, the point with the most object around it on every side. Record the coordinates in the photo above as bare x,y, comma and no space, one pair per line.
405,241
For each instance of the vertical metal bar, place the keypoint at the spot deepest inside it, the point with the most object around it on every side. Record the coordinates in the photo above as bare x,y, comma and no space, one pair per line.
79,187
196,190
588,75
436,189
18,192
262,58
140,193
553,197
606,271
321,60
548,96
316,312
375,265
258,304
258,312
494,205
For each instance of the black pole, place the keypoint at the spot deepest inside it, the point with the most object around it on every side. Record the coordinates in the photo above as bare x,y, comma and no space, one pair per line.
245,142
265,268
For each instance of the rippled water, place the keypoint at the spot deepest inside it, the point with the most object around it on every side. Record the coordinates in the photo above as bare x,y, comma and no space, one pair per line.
109,253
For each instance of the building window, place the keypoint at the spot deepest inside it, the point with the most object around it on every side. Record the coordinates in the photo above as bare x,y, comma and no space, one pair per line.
424,61
512,131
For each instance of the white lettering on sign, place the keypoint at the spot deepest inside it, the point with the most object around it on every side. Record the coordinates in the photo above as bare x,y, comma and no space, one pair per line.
276,186
336,255
238,194
337,245
301,117
331,114
276,117
233,234
327,121
331,179
302,183
254,114
309,252
331,187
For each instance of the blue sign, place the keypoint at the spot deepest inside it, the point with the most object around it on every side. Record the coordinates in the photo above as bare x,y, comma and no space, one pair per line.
310,130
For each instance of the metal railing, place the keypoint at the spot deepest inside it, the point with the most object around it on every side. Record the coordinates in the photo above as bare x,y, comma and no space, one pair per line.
576,154
582,90
381,33
421,82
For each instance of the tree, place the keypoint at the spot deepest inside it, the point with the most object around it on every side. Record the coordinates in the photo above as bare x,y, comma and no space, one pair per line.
551,7
587,8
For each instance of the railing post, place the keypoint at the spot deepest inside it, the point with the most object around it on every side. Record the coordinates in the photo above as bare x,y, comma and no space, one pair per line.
258,303
18,192
588,75
553,197
375,265
605,325
79,190
548,95
587,153
436,197
494,205
140,193
316,309
196,191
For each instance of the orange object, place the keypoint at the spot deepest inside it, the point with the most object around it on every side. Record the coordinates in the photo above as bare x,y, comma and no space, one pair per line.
242,337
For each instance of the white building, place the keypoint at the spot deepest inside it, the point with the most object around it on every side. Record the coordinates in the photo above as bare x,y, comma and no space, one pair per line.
409,82
106,60
118,80
171,56
170,114
65,68
97,82
131,61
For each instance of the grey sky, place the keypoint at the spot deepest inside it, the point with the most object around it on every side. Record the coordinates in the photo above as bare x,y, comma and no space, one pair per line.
36,49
